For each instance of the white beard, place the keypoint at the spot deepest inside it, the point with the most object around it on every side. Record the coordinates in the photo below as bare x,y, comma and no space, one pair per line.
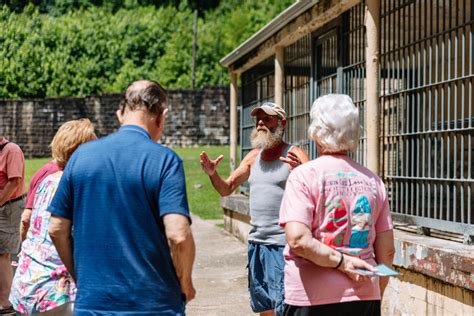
263,138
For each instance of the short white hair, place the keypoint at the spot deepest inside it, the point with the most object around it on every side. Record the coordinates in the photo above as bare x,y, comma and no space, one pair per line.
334,123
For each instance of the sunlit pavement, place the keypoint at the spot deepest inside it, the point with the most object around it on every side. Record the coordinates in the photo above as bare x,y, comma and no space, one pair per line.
220,275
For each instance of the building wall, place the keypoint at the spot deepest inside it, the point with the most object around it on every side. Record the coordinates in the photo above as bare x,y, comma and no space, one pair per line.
418,294
436,277
199,117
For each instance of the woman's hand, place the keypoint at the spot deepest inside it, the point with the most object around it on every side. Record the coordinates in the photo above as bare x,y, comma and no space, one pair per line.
291,159
350,264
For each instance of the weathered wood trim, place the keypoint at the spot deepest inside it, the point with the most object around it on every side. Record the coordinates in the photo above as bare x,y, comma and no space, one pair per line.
306,23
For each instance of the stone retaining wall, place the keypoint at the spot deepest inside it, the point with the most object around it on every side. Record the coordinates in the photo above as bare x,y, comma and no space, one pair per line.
199,117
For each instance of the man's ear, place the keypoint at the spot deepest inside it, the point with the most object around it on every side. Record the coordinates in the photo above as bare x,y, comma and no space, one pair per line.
119,115
160,119
283,122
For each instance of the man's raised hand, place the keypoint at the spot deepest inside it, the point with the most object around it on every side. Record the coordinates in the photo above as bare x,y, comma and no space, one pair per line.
209,166
291,159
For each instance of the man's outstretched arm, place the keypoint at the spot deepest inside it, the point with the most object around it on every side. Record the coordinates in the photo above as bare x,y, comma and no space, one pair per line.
60,233
183,250
226,186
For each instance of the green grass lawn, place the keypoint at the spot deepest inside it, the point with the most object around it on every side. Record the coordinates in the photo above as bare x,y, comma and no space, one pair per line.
203,199
31,165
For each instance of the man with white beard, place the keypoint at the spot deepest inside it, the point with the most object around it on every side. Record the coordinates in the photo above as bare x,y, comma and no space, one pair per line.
266,168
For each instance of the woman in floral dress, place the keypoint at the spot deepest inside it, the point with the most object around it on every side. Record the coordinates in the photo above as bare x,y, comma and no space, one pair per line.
42,285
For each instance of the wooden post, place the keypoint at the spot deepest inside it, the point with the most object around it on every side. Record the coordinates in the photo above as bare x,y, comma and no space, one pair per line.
373,88
279,74
233,120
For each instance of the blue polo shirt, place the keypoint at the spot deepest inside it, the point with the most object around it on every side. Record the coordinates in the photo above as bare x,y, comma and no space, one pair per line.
116,191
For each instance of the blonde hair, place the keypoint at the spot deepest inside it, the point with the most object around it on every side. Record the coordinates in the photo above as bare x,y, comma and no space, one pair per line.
334,123
69,137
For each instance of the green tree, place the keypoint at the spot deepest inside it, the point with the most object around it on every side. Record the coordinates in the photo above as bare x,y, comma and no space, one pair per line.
99,46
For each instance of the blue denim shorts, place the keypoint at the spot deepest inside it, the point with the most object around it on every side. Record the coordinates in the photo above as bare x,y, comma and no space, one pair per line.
266,285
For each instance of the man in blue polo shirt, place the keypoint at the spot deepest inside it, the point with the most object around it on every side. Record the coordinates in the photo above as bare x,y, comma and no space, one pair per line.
124,196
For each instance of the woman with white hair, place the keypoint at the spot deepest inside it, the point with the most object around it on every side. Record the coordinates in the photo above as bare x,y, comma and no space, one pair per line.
337,219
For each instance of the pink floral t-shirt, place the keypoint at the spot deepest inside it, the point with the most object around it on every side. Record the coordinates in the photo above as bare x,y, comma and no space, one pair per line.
345,205
41,282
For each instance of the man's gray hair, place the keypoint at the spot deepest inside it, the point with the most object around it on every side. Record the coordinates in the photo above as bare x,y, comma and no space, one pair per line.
149,95
334,123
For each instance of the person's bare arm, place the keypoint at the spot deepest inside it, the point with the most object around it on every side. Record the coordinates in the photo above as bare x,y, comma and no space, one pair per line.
226,186
183,251
295,157
384,250
302,243
9,189
25,222
61,235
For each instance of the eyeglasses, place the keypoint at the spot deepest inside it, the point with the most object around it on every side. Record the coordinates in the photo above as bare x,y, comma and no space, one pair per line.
265,119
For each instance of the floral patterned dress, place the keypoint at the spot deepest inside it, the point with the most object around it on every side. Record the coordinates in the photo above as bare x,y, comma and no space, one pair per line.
41,281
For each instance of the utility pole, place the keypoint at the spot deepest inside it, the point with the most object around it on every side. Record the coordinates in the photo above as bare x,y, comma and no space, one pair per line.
193,76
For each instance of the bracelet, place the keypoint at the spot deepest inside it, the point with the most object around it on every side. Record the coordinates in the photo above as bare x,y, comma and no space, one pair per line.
340,261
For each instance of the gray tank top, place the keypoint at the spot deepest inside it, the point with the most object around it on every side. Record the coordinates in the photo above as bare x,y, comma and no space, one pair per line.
267,183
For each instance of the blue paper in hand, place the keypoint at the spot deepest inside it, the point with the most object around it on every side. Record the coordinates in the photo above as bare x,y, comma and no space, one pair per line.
382,270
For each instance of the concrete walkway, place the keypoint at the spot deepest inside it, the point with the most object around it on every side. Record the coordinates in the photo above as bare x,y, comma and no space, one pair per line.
220,275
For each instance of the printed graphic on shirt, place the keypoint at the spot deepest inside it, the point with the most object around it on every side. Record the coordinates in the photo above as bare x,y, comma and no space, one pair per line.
335,223
346,175
347,185
361,221
343,189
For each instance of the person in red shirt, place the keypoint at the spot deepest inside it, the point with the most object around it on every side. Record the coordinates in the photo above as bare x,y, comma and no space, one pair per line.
12,201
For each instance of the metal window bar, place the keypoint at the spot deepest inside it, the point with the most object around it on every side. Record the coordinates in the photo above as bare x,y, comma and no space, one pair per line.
353,69
339,66
427,112
326,62
296,94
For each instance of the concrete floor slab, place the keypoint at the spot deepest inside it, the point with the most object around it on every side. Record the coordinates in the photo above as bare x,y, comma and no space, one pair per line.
220,274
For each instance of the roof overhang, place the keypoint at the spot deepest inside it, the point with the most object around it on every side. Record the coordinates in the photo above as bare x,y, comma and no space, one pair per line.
268,30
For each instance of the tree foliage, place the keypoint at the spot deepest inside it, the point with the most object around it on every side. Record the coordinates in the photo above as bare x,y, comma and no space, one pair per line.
57,7
85,47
